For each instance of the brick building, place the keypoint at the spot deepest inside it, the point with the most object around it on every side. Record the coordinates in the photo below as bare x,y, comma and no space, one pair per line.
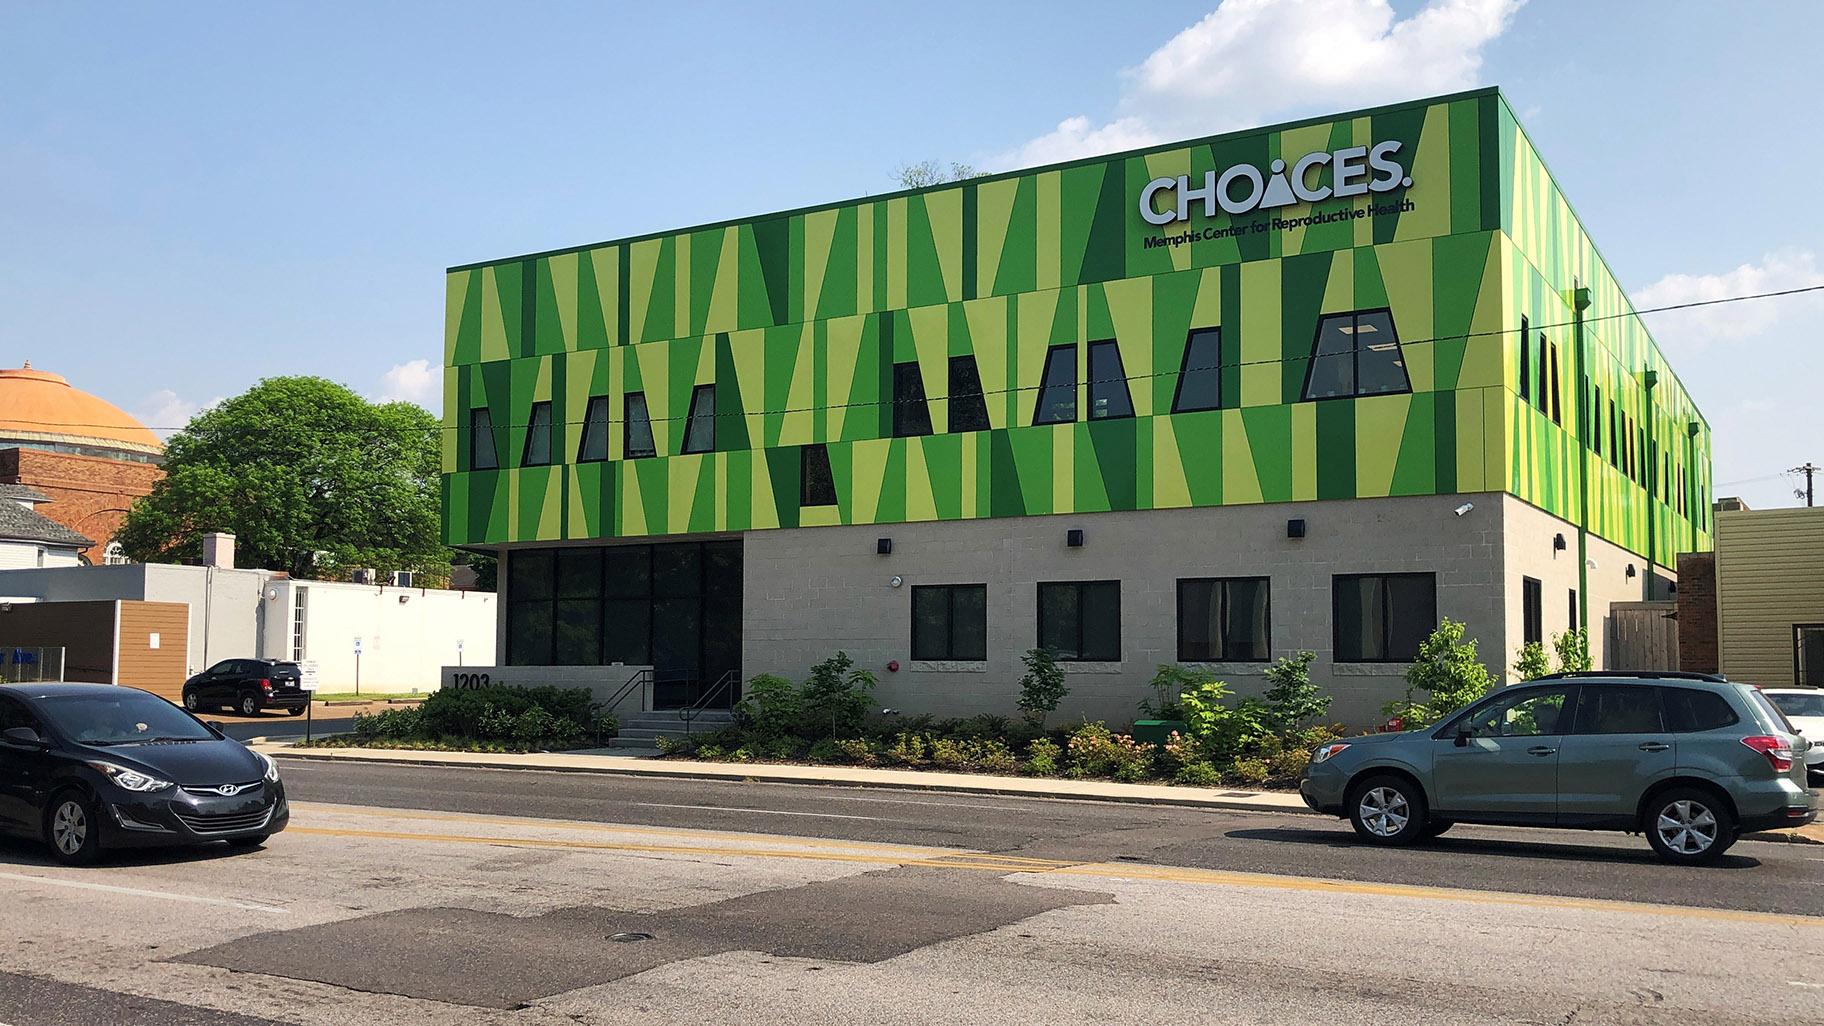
90,458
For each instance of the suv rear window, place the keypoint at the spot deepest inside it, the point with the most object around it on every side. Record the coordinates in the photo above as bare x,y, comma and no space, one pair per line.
1774,715
1689,710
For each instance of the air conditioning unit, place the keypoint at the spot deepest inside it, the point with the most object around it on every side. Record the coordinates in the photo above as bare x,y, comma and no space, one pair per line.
365,576
401,579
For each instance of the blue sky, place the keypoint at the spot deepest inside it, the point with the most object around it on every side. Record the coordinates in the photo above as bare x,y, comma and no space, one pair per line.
196,196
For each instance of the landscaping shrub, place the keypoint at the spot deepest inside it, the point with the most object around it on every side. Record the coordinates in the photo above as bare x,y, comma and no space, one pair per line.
1197,774
1532,663
1573,651
826,750
857,751
836,698
1042,757
908,750
1287,766
1291,698
487,719
1448,673
1251,771
1221,730
1042,687
1169,684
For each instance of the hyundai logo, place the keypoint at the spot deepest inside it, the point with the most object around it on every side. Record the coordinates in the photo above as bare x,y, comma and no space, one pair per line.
228,790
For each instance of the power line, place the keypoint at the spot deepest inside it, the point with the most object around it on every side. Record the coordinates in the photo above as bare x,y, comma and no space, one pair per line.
1015,389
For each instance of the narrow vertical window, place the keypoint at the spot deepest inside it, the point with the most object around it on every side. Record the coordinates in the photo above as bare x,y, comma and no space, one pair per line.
1200,376
1571,618
637,439
1614,450
700,428
538,436
1109,398
911,413
1532,614
594,447
968,406
1557,415
816,486
1526,361
1539,393
482,455
1058,387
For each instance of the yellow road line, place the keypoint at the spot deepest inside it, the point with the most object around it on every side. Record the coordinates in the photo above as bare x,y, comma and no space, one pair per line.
1164,874
376,812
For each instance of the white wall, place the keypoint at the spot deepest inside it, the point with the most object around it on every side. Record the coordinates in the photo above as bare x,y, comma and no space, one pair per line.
407,634
19,555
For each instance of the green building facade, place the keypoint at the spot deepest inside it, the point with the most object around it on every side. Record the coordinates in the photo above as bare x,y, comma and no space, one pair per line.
1372,305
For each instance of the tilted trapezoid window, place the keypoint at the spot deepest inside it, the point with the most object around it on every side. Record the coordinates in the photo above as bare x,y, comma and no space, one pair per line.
1109,398
700,429
816,485
911,413
637,441
1058,387
1200,375
968,405
538,436
594,446
1356,354
482,454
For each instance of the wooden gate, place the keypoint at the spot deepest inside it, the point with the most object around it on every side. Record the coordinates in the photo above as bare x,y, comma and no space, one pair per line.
1642,636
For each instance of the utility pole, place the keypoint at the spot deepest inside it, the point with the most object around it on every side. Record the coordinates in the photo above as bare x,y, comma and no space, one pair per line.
1808,470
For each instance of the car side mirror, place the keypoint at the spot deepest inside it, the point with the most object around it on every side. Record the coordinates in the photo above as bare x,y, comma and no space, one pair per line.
1464,733
23,737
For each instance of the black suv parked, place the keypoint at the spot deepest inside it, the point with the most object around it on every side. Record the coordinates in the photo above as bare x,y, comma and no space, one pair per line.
247,686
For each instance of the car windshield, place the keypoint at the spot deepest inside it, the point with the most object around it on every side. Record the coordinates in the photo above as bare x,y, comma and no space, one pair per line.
130,717
1809,704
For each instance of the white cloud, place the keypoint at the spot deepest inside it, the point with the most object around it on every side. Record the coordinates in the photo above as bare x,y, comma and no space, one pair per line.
414,381
164,412
1251,61
1693,330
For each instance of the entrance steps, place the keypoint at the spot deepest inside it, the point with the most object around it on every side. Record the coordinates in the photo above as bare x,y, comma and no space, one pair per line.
644,729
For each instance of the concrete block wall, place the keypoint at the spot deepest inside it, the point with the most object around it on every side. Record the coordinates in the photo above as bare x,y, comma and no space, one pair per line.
812,591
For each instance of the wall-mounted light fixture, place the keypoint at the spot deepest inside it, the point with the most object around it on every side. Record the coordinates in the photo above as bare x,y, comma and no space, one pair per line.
1629,573
403,599
1074,537
884,546
895,581
272,594
1464,510
1558,544
1295,528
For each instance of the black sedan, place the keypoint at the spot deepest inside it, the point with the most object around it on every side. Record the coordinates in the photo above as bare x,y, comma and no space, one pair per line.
89,767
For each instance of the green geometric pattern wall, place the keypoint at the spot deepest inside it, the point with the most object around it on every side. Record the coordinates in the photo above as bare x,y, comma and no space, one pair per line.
799,318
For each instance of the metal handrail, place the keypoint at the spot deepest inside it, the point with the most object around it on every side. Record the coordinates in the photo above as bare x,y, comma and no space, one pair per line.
723,683
638,680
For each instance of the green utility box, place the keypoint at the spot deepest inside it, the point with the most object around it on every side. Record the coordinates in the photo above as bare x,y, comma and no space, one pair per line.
1156,732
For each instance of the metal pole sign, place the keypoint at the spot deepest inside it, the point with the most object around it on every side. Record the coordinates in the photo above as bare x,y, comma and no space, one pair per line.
307,680
357,664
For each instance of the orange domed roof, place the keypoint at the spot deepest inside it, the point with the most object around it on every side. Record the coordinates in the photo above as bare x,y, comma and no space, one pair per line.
37,406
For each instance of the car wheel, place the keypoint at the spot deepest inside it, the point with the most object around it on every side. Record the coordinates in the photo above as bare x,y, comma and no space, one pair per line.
1689,826
1387,810
1436,827
191,702
298,711
250,705
73,828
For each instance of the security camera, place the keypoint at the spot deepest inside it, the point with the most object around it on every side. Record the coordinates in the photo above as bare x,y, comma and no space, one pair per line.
1464,509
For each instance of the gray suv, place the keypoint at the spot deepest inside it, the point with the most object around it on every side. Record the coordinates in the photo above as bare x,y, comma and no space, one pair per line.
1693,761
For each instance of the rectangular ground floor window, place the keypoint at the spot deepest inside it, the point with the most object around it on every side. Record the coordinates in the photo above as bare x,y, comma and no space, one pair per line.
1808,654
1080,621
950,621
1382,618
1223,619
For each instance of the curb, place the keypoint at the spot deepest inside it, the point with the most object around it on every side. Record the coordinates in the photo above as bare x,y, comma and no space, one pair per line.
1190,800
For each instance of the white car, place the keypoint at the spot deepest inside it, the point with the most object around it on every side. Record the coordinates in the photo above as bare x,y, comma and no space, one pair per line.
1805,708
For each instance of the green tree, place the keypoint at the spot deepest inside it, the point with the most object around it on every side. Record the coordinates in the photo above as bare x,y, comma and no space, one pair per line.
1532,663
1573,651
310,477
1042,687
836,697
930,172
1447,671
1292,700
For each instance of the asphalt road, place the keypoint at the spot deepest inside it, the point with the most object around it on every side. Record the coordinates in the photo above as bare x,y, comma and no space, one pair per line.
431,896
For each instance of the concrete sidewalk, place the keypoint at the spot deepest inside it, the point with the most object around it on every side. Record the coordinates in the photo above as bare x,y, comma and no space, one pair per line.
597,761
601,761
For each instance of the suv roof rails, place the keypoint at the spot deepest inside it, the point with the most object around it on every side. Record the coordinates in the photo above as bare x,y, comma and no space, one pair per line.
1713,678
